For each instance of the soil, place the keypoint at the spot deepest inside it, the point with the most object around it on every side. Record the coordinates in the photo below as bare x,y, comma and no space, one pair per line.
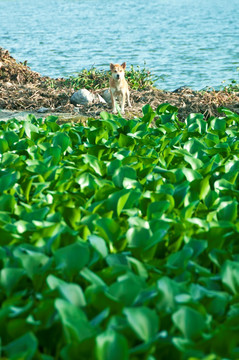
23,89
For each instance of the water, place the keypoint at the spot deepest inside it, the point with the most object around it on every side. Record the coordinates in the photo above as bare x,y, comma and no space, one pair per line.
184,42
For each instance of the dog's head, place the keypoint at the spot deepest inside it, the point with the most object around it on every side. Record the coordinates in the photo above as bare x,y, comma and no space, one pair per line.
118,70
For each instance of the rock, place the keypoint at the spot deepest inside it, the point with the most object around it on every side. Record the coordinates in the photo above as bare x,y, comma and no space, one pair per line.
43,110
82,97
99,99
85,97
106,96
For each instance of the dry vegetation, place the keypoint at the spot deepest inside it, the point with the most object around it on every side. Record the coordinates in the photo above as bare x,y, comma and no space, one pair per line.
23,89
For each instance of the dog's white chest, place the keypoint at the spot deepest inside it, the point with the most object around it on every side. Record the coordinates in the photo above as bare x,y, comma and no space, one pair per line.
117,91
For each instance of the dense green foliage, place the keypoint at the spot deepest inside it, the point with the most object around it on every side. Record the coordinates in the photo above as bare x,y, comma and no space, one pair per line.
232,87
94,79
120,240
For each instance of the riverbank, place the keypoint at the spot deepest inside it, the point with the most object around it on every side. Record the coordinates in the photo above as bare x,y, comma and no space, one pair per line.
22,89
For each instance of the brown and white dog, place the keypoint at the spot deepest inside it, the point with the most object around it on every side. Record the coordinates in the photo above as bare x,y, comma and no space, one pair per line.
118,86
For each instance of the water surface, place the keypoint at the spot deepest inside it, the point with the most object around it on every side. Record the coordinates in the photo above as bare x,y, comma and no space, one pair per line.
184,42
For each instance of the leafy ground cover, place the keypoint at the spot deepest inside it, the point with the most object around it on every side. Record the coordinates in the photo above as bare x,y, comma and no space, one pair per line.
94,79
119,240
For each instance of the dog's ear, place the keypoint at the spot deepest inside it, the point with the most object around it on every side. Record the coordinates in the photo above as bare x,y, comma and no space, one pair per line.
111,66
124,65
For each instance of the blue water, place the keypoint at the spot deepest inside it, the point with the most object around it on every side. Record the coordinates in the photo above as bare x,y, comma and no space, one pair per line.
184,42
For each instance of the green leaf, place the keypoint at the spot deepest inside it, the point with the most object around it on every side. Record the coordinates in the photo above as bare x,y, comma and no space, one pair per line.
5,237
179,260
168,290
194,145
69,292
126,141
121,203
166,108
92,277
23,144
7,202
30,128
8,180
32,261
195,163
138,237
210,198
218,124
113,166
76,325
212,139
157,209
111,345
72,258
228,113
122,173
22,348
149,114
3,146
180,193
121,200
125,290
87,182
191,175
10,277
98,244
161,229
143,321
193,118
189,321
62,140
11,137
227,210
229,274
55,153
108,229
94,163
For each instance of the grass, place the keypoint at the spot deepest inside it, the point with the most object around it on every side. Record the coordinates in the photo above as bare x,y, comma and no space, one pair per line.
232,87
120,240
95,79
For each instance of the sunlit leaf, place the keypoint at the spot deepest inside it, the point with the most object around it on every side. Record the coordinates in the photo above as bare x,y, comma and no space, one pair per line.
76,325
111,345
143,321
189,321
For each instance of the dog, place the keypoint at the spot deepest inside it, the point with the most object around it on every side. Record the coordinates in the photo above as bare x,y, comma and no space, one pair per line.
118,86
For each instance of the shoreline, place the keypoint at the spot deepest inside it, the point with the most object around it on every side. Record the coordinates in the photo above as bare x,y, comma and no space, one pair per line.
24,90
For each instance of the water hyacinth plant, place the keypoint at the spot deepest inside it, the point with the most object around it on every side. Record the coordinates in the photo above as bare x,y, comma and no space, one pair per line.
119,240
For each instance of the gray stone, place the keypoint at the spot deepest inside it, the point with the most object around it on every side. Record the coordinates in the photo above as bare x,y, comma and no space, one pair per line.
99,99
82,97
106,96
85,97
43,110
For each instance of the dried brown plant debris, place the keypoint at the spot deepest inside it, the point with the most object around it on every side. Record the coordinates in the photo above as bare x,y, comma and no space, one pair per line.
23,89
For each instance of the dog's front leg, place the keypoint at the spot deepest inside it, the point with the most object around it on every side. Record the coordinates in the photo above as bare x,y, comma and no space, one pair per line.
122,103
113,101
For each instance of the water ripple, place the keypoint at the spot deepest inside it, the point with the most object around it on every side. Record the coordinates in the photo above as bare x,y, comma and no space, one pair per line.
182,41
